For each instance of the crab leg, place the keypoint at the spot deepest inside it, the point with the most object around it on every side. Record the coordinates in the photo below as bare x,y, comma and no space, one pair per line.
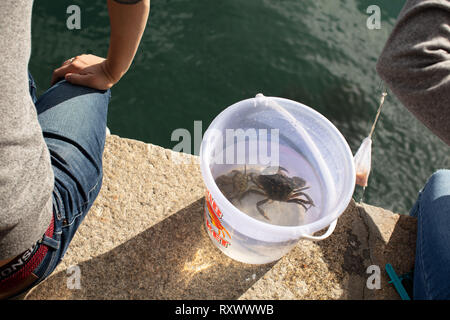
260,210
298,190
282,169
300,202
299,193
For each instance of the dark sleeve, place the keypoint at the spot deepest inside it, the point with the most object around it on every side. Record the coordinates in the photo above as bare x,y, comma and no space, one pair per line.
128,1
415,63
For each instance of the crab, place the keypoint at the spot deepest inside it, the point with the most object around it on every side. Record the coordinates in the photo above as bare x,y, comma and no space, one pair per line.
279,187
275,187
235,184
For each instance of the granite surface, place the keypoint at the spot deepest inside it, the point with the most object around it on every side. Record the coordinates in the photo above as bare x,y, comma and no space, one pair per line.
144,238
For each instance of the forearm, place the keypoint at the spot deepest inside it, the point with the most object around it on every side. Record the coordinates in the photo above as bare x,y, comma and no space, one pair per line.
128,23
415,63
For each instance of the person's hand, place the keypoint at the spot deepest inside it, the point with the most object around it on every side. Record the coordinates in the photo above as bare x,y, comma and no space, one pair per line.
86,70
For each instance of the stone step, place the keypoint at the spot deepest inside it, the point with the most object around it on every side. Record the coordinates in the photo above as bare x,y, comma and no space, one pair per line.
144,239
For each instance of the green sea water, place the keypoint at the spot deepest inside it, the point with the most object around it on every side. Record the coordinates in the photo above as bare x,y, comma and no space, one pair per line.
198,57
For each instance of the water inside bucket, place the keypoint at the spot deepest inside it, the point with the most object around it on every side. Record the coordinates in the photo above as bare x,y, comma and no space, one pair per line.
280,213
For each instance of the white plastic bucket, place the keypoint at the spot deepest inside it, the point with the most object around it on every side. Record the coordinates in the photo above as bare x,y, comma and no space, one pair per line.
301,130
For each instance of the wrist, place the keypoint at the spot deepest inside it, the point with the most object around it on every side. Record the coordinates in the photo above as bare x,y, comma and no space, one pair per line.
111,73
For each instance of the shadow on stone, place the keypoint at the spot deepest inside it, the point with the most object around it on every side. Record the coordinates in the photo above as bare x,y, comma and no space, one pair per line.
174,259
367,236
392,239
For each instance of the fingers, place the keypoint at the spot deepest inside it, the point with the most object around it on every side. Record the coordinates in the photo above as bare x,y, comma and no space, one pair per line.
68,61
84,70
79,79
70,65
87,80
59,73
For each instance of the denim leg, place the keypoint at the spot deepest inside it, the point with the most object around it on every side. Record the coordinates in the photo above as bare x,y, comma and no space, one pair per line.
73,121
432,265
415,209
32,87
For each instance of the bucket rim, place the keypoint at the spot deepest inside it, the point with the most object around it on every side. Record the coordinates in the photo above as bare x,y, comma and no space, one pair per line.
226,206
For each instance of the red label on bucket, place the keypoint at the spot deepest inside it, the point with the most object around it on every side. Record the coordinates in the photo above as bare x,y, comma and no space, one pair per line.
213,218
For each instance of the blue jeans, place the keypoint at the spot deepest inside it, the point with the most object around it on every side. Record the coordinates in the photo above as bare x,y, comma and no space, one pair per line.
73,122
432,265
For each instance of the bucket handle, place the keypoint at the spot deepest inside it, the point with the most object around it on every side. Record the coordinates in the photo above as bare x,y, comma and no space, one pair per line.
330,230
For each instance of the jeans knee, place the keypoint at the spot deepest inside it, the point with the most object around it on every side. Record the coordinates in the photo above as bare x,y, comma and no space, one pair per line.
439,177
438,186
77,90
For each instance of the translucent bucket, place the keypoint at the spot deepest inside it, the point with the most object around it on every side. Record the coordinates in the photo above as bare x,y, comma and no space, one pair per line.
298,139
